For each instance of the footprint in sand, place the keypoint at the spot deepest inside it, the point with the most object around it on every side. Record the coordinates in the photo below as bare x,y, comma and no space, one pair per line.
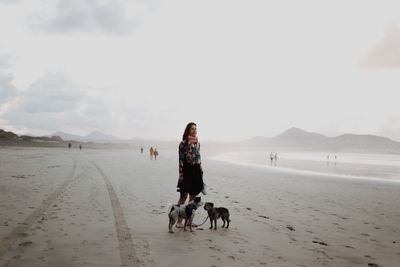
215,248
24,244
290,228
320,242
19,176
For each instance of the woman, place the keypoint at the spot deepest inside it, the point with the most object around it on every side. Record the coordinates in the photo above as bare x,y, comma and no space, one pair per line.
190,171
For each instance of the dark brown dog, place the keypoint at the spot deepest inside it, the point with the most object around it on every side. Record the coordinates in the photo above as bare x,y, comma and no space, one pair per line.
215,213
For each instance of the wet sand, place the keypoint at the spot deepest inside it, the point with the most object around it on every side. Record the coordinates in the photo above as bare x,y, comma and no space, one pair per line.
331,167
62,207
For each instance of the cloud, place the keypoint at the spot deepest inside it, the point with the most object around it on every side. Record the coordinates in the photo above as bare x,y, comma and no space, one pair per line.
66,16
391,128
53,93
55,103
385,54
9,1
7,89
5,62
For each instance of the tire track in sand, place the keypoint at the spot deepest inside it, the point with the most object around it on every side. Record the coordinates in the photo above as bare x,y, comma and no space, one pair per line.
126,248
20,230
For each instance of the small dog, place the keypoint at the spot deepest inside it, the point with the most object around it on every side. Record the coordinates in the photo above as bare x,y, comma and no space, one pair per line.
215,213
185,212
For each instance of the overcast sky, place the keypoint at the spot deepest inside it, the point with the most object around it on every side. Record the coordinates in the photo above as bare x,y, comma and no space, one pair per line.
145,68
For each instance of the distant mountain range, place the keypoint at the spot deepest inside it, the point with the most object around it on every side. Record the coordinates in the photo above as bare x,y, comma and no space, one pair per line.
291,139
59,136
300,139
60,139
7,137
95,136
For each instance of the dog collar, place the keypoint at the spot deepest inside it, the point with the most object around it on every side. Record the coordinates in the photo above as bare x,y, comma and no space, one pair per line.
192,206
189,209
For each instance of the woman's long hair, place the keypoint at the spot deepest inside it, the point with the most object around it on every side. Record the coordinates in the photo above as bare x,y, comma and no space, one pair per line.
187,130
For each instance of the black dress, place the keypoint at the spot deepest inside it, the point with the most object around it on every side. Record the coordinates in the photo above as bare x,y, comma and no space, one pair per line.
192,179
190,169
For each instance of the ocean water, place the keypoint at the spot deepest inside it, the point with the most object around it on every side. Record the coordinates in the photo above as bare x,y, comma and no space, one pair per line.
380,166
355,158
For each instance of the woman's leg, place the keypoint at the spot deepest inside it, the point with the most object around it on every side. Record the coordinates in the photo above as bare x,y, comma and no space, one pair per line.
181,201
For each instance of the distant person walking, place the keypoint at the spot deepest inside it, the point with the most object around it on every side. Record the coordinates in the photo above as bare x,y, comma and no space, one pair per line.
155,153
80,147
69,145
141,150
190,171
271,157
151,152
276,157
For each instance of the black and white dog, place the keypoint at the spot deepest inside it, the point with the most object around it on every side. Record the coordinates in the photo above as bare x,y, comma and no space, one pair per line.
184,212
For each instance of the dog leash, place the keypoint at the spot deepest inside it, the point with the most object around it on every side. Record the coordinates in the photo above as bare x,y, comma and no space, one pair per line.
202,222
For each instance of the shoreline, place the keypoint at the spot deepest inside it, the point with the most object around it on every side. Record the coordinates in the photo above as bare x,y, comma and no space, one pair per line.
338,169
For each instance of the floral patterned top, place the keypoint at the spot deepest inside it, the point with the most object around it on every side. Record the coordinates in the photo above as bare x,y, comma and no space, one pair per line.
189,153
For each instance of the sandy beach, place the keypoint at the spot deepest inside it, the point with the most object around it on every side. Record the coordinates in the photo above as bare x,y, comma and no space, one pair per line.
96,207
